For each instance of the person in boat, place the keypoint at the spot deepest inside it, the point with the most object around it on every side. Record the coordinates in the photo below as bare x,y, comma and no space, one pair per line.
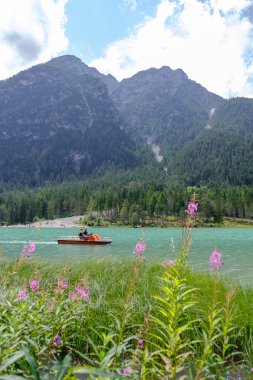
80,235
85,232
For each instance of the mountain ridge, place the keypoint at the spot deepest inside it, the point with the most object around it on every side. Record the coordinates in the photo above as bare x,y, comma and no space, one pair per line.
59,122
63,118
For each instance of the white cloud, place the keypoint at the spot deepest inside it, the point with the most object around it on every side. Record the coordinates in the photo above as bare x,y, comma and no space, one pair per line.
32,31
207,40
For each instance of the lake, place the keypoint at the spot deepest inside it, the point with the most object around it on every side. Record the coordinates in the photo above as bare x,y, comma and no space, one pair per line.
235,244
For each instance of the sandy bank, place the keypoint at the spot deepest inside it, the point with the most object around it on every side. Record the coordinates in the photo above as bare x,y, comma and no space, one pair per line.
72,221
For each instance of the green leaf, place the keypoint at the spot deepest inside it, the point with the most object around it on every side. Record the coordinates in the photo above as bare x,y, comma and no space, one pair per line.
14,358
64,367
32,364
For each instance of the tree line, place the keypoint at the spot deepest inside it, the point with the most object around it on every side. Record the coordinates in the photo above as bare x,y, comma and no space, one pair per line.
133,201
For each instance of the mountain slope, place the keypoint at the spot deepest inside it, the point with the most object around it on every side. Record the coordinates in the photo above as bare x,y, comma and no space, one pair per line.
165,107
56,120
223,153
64,119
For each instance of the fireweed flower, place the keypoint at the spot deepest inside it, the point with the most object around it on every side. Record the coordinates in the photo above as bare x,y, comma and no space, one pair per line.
34,285
32,247
82,292
126,371
215,260
168,263
28,250
73,297
140,343
23,252
56,341
192,209
78,289
61,285
21,295
139,249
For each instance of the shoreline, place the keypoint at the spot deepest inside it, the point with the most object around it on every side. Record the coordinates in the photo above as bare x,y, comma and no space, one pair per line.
68,222
75,221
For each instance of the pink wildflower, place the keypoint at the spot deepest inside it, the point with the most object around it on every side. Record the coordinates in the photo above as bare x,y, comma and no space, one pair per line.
78,289
83,293
56,341
140,343
27,250
127,370
192,209
168,263
215,260
61,284
73,297
139,249
34,285
21,295
32,247
23,252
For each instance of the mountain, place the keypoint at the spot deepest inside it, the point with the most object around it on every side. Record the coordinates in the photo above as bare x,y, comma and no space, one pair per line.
70,63
224,152
65,119
165,107
201,137
57,120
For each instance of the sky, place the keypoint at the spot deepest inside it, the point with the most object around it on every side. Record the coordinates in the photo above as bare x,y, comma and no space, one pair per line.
211,40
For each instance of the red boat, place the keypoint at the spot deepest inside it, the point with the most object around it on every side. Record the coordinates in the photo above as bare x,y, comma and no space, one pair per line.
92,239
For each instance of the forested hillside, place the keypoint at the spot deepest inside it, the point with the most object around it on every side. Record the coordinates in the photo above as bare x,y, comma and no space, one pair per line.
64,119
57,121
80,142
223,153
132,198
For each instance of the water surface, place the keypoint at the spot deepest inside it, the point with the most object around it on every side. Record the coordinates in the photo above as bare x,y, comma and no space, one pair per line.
235,244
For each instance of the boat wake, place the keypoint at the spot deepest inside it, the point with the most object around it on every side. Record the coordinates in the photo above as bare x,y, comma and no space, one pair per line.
25,242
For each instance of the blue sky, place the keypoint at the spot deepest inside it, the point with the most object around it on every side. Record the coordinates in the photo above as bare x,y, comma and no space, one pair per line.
211,40
94,24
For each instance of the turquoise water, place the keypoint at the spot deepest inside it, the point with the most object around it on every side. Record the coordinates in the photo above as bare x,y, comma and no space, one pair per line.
235,244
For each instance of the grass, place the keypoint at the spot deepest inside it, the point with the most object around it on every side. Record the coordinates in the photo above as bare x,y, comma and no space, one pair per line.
237,222
190,324
123,319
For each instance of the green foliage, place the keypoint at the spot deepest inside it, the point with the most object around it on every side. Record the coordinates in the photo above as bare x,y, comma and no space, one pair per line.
134,198
190,324
172,326
222,153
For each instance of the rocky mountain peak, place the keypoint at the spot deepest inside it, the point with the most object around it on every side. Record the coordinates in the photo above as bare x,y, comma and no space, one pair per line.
65,59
